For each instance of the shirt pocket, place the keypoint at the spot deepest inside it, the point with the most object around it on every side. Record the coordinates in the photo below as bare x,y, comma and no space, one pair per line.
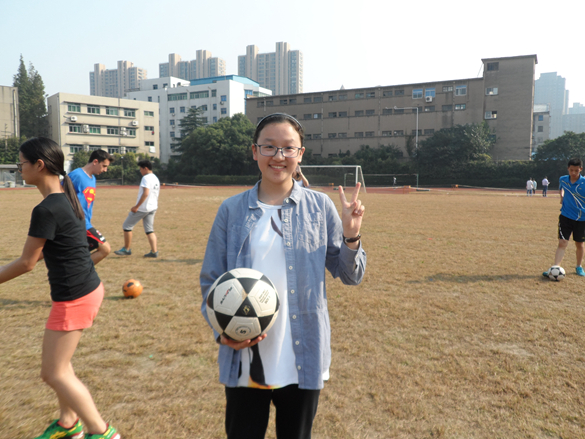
311,230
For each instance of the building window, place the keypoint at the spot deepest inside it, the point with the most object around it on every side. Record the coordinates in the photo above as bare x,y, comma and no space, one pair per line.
113,130
149,113
150,99
92,109
447,108
331,135
342,97
307,100
371,94
131,132
491,91
95,148
359,113
202,107
540,117
269,103
307,116
414,132
74,128
148,143
399,111
540,129
111,111
359,95
430,92
214,106
493,66
203,94
113,150
491,114
292,101
369,133
343,135
172,134
429,108
172,110
181,109
332,98
128,112
149,128
224,111
316,136
387,111
213,93
177,97
308,136
172,122
74,108
460,90
429,132
223,98
316,115
398,132
75,148
387,93
155,87
358,134
459,107
94,129
386,133
447,88
332,114
417,93
318,99
284,102
370,112
398,92
342,114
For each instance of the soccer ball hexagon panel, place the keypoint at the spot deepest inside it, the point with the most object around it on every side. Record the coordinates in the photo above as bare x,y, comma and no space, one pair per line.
556,273
242,304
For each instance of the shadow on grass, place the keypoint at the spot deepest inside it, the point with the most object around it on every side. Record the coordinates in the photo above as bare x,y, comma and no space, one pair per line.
465,279
24,303
117,298
182,261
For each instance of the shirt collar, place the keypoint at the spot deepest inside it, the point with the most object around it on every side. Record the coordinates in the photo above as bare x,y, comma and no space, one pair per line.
253,202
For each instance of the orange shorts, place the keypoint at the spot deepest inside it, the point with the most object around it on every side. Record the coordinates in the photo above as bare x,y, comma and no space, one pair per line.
76,314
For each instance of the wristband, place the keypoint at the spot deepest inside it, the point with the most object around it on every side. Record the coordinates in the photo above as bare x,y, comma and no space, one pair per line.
348,240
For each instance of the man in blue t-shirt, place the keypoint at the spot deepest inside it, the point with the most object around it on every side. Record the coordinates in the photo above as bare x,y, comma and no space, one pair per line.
84,182
572,217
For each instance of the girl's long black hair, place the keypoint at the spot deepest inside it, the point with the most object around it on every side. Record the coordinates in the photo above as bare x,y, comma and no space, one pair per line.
41,148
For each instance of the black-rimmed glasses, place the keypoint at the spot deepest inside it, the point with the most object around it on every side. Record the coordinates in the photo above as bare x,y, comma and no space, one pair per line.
271,151
19,165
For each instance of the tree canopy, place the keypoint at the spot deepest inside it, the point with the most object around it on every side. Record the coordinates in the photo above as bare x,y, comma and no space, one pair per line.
569,145
188,124
31,101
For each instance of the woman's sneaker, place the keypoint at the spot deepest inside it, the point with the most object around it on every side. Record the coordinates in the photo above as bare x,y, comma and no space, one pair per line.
55,430
110,433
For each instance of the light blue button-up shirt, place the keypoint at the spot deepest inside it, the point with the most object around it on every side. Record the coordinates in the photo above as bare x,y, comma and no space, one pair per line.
313,237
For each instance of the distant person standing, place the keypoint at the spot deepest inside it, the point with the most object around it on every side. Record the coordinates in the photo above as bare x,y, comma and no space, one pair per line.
529,187
300,178
84,183
145,209
533,186
545,184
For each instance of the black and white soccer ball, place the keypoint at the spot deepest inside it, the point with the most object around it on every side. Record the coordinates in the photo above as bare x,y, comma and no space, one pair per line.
242,304
556,273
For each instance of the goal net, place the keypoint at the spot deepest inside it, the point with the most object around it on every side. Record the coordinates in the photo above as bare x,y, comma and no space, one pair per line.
334,175
388,180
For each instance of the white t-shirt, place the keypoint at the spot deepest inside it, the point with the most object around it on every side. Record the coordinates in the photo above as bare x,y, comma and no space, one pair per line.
151,182
529,185
276,350
545,182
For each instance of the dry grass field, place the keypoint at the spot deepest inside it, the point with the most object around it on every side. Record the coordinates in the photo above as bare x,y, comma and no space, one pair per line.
452,334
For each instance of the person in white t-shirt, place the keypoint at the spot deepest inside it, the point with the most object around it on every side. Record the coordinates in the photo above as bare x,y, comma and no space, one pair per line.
144,209
545,184
529,187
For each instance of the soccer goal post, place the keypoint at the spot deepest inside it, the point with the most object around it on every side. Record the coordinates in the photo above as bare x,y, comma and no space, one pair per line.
334,175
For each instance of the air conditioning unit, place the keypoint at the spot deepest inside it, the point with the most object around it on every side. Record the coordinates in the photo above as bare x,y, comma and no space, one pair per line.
73,118
429,99
86,128
222,103
134,123
86,147
173,114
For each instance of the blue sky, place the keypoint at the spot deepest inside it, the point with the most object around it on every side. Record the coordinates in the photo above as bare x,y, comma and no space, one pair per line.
349,43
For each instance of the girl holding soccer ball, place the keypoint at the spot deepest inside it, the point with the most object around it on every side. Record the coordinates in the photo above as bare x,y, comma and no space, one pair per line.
291,235
57,234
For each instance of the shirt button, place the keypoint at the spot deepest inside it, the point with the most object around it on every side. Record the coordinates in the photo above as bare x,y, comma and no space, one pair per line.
299,367
292,291
288,244
286,201
297,342
290,267
294,317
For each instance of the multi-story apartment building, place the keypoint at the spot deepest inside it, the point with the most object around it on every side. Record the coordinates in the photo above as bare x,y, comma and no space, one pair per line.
342,120
114,83
9,118
280,71
549,89
217,97
204,66
540,126
80,122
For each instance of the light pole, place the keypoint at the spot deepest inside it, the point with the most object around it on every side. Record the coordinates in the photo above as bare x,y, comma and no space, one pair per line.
416,135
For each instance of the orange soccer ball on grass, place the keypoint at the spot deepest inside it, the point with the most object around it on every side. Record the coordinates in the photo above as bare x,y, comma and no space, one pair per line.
132,288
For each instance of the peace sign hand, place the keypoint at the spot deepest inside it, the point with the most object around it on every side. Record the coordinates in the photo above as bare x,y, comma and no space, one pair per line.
351,213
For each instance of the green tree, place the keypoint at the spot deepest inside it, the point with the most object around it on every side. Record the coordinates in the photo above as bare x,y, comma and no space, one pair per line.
9,150
569,145
222,148
31,101
188,124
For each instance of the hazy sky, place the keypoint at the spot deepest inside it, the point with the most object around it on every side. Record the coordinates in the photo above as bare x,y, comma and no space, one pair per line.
350,43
